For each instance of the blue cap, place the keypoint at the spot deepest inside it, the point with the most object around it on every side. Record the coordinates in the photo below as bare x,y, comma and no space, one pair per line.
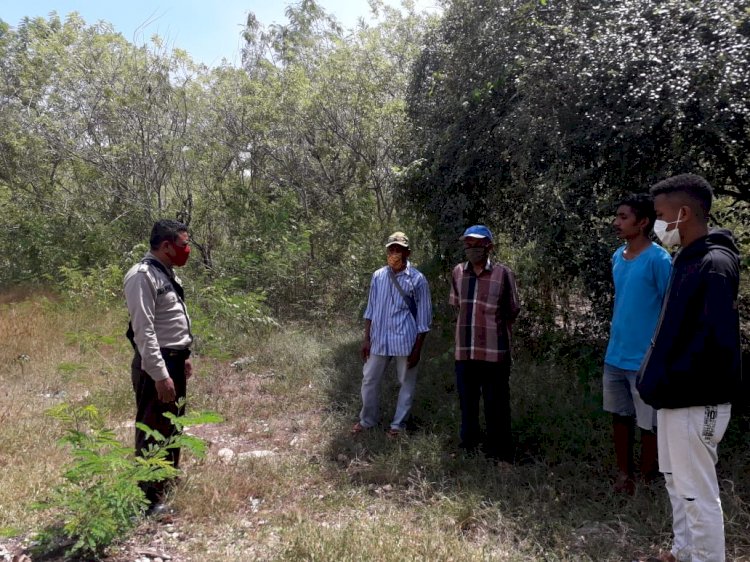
477,231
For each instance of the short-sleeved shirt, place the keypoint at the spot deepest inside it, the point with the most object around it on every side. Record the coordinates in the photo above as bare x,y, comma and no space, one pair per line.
393,328
487,306
640,285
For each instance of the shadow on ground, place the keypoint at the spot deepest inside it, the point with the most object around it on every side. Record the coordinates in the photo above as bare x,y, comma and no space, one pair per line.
557,497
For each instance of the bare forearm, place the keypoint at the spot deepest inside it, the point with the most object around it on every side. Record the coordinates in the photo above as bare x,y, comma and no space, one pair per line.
368,324
419,342
365,349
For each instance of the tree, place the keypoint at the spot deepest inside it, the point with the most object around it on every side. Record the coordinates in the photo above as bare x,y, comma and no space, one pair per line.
335,138
97,138
537,117
280,169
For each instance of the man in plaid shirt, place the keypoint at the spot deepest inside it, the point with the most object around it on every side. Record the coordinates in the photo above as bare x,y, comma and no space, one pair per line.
485,297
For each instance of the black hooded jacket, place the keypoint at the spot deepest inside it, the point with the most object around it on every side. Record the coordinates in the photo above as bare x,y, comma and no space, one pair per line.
694,359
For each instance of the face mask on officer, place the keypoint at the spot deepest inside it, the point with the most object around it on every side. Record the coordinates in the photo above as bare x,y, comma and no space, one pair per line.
182,253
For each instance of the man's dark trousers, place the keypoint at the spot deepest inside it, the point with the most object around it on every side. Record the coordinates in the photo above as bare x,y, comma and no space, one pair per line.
475,379
150,410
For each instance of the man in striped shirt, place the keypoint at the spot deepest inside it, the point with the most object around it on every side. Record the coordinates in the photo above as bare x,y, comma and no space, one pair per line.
485,297
397,319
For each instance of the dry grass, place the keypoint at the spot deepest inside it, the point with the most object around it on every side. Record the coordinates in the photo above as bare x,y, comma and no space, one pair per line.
319,494
40,367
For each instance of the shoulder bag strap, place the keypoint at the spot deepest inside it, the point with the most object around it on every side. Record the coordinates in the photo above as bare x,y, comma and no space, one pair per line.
410,302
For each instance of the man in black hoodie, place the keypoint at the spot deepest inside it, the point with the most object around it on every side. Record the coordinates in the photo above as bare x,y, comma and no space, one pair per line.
692,371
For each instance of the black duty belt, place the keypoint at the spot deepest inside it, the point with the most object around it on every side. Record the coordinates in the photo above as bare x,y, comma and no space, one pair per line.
174,353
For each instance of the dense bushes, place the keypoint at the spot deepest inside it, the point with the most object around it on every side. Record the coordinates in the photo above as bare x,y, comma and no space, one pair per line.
534,117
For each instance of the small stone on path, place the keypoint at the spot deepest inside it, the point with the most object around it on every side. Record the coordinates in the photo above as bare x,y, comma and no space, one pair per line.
256,454
226,455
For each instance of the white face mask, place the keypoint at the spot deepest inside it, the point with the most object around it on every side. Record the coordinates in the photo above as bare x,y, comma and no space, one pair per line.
668,238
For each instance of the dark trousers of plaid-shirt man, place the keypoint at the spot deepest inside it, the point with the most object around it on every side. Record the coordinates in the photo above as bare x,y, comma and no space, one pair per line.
487,305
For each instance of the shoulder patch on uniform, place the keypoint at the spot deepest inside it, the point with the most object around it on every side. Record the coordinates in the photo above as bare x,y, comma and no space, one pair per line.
142,267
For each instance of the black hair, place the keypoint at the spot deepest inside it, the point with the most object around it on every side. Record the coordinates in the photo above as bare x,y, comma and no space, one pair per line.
165,229
642,205
696,189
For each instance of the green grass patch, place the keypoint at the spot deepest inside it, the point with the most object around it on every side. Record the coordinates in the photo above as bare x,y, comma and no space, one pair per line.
68,368
8,532
325,495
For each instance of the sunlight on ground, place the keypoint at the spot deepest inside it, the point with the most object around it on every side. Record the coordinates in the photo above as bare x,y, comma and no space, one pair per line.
284,480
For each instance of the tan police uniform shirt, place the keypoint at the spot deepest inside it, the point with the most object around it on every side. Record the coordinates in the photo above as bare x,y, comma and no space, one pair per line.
157,314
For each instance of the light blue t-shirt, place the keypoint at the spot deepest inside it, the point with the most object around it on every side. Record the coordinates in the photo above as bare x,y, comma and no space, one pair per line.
640,285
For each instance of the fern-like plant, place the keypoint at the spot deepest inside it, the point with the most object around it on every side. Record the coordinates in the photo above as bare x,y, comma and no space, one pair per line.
100,498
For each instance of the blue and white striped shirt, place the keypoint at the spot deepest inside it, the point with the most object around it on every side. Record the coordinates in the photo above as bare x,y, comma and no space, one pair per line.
393,330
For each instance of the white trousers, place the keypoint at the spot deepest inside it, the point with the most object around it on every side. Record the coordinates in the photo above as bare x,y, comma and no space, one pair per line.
688,440
372,375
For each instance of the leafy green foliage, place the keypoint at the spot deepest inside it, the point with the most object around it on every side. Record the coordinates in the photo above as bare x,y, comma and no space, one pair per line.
284,169
331,151
223,310
100,499
101,286
536,118
236,309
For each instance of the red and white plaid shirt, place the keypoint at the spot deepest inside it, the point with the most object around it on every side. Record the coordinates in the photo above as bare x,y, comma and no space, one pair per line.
487,306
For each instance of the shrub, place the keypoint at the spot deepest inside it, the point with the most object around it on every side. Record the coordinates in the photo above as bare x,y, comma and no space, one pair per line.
100,498
101,285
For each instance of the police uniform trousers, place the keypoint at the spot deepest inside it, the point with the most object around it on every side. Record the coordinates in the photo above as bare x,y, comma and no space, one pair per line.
150,410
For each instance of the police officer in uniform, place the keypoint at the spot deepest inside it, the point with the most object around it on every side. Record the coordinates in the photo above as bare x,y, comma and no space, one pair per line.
160,334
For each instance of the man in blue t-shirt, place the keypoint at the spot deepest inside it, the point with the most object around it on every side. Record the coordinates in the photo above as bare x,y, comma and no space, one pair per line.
640,270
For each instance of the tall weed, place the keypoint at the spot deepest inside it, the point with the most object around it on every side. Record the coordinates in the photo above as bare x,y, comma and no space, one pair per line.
100,498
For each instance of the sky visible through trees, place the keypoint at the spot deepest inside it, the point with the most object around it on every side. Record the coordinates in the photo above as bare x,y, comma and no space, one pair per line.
534,117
